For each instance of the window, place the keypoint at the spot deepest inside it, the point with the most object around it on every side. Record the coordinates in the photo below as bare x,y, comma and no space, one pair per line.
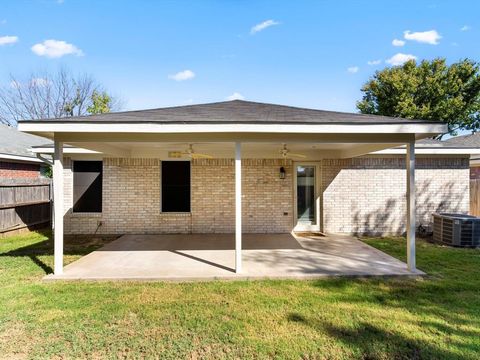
175,186
87,186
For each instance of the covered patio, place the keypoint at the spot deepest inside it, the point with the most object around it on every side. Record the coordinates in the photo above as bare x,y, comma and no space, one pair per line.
211,256
234,135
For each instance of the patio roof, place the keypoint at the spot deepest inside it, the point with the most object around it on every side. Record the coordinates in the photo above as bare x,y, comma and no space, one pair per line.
233,121
236,111
238,123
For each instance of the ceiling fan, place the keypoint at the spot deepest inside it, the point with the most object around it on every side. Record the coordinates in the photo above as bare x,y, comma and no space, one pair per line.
194,155
286,153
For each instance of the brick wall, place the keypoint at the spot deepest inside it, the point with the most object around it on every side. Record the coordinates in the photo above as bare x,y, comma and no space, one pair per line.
13,170
360,195
367,195
267,199
131,198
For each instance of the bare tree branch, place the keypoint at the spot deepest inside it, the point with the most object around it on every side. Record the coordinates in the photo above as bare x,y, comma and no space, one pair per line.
49,95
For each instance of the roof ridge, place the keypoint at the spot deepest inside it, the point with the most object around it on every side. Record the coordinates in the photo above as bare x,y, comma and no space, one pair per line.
235,111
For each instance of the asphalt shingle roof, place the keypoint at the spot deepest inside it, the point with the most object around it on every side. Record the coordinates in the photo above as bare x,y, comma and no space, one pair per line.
236,111
472,140
14,142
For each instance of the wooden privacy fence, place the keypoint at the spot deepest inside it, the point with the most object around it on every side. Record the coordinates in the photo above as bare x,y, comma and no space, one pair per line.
475,197
24,203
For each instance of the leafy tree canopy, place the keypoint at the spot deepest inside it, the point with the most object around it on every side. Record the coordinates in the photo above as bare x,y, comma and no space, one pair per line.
101,103
430,90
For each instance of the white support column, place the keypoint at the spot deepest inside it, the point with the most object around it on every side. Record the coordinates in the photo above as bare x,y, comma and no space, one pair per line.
58,207
410,163
238,207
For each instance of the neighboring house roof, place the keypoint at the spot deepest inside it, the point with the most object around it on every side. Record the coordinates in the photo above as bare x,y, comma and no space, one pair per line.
472,140
238,112
429,142
15,145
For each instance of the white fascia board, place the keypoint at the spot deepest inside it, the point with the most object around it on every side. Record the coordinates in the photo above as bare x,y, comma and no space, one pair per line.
474,162
20,158
66,150
430,151
71,127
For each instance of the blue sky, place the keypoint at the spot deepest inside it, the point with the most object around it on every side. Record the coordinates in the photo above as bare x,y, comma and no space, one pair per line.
303,53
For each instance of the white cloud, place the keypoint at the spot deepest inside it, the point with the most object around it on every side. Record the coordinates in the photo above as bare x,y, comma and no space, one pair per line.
5,40
397,42
399,59
182,75
427,37
374,62
465,28
263,26
56,49
235,96
353,69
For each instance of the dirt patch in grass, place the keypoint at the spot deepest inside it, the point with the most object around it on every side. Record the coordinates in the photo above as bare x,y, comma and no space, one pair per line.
14,341
75,241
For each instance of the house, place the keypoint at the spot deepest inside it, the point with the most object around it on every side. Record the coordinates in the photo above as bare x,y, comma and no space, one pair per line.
24,190
243,167
473,141
16,159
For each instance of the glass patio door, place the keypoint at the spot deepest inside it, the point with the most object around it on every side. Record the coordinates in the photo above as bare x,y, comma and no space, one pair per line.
306,197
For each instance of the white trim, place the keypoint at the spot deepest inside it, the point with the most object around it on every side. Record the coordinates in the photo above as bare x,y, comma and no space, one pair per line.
411,227
474,162
238,207
58,207
71,127
298,226
20,158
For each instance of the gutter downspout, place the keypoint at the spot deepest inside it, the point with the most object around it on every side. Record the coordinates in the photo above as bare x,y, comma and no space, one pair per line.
45,160
49,162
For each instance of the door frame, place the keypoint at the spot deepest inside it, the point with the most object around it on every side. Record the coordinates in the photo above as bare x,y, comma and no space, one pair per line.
299,227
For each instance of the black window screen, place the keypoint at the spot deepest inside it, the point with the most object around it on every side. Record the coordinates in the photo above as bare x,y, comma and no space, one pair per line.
175,186
87,186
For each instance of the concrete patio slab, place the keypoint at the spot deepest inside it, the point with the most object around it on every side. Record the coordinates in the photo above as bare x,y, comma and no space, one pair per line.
212,256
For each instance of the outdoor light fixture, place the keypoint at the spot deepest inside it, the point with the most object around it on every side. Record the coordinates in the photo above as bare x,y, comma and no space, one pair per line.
282,173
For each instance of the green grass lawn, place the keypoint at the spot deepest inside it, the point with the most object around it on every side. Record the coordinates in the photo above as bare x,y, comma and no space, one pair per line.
434,317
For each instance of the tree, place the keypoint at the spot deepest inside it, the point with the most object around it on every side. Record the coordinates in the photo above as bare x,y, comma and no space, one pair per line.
431,90
100,103
53,95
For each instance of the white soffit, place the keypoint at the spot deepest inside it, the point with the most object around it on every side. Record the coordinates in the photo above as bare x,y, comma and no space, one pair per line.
430,151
